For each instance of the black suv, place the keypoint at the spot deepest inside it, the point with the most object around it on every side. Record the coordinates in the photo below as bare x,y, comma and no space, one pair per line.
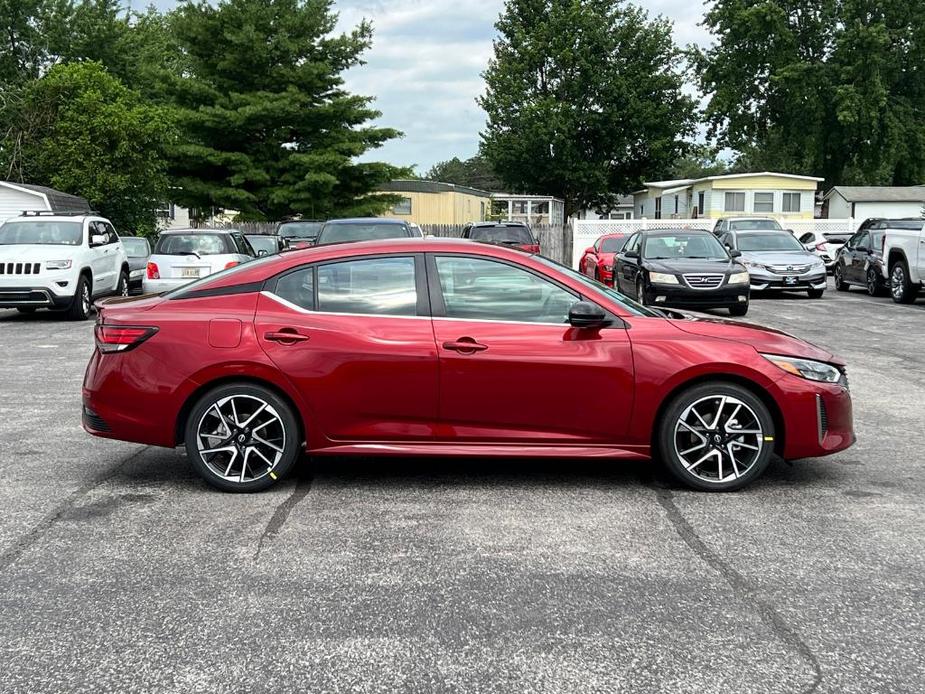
512,234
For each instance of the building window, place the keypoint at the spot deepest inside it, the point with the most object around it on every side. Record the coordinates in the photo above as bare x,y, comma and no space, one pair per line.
676,204
735,202
791,202
764,202
403,207
700,202
658,208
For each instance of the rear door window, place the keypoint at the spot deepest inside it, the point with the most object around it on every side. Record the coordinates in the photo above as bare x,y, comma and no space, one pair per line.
194,244
374,286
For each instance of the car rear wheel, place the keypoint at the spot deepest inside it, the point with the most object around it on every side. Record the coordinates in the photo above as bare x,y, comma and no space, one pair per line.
242,438
716,437
840,283
874,287
122,286
901,289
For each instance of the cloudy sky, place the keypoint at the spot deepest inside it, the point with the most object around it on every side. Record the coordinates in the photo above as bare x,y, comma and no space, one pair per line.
425,64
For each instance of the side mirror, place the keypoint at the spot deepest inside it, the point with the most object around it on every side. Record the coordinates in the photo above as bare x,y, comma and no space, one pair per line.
584,314
631,254
734,252
98,240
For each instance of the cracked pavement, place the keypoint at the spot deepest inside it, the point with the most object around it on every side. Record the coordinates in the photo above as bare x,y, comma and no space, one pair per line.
121,572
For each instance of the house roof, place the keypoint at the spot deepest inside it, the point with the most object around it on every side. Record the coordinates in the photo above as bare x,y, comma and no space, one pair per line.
879,193
684,182
415,186
57,201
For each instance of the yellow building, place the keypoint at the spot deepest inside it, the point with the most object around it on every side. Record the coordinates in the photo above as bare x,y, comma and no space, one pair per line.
765,194
430,202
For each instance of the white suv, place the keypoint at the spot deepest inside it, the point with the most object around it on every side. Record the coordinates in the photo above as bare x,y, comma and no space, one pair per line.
60,262
904,258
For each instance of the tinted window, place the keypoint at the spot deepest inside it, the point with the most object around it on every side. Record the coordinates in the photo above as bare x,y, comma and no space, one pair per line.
340,233
194,244
242,245
263,243
633,243
512,235
754,224
876,240
298,287
136,247
808,238
683,245
613,244
486,290
42,233
768,242
381,286
863,240
302,230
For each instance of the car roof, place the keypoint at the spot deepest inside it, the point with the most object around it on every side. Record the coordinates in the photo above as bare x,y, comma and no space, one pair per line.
367,220
200,231
257,233
674,230
760,231
498,224
749,219
56,218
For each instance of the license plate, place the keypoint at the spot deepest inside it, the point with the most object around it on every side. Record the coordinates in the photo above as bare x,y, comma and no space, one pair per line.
189,272
790,280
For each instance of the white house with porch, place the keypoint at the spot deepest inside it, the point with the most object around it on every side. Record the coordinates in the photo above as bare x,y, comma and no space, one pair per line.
532,209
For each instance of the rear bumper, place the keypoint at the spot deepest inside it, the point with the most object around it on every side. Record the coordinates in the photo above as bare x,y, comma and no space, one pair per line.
37,297
163,285
680,296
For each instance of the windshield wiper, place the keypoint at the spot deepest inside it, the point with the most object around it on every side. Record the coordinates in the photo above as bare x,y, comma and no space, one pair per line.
188,253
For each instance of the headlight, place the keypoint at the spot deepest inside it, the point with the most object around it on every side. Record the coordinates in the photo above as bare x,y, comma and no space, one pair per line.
739,278
608,268
662,278
58,265
750,263
807,368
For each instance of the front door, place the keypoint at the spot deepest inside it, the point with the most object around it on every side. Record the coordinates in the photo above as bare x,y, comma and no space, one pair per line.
355,338
513,370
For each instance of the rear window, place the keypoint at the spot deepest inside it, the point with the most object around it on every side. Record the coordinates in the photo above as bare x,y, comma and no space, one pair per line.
135,247
754,224
511,235
339,233
837,238
194,244
301,230
613,245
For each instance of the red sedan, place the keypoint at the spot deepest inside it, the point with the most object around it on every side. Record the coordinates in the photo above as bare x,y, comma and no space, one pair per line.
449,347
598,260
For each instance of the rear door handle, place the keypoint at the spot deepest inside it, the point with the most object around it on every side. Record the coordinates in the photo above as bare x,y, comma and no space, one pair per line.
286,336
465,345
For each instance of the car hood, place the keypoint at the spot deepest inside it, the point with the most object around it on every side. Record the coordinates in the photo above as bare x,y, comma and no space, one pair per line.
37,253
685,265
781,257
767,340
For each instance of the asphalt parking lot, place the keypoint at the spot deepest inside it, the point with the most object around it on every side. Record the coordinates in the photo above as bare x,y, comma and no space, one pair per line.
120,571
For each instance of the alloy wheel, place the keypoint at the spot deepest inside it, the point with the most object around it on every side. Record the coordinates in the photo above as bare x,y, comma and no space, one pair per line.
872,284
897,282
123,286
718,438
85,299
241,438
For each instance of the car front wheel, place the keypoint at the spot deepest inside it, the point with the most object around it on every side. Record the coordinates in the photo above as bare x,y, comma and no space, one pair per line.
81,305
122,286
738,309
716,437
242,438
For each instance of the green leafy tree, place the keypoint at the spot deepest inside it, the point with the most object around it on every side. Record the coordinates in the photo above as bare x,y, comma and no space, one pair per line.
85,133
475,172
583,99
699,161
269,129
832,88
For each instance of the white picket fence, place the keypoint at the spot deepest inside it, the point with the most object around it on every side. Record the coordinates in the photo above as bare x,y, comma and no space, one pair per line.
586,231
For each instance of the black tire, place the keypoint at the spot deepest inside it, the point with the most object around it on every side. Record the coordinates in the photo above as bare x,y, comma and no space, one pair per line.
815,293
640,290
28,310
840,283
874,285
705,392
901,289
738,309
82,304
284,433
122,284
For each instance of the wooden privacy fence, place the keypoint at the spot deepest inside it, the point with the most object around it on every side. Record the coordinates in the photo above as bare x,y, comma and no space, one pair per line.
555,241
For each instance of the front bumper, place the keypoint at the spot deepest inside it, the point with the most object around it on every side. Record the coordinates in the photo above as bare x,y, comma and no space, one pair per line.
818,417
684,297
762,281
35,297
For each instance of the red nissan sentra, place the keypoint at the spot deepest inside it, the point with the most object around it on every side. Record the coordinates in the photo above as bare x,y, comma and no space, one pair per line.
449,347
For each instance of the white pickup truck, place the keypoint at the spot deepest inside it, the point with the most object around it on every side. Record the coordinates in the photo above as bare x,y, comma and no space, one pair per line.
60,262
904,256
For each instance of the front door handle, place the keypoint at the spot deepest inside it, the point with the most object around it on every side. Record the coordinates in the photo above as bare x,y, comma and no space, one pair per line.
286,336
465,345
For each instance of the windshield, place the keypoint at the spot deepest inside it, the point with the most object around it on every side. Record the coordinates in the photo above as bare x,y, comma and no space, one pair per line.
755,224
614,244
135,247
301,230
263,243
193,244
502,234
684,245
43,233
768,242
612,294
339,233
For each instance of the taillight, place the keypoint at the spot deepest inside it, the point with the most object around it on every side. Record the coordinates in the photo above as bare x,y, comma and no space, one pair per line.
230,265
121,338
153,272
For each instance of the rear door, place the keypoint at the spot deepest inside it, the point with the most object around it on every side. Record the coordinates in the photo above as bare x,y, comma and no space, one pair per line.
858,256
355,338
512,369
